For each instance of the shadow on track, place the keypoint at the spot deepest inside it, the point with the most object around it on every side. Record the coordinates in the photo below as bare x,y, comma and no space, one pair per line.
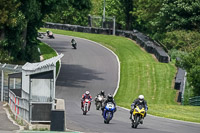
76,76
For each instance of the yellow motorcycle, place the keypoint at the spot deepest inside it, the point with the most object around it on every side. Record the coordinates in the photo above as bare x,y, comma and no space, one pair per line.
137,115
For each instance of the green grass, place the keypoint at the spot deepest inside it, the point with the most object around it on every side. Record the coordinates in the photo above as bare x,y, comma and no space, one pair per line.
47,52
142,74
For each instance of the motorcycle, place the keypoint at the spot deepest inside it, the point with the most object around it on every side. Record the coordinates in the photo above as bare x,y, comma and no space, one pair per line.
98,101
108,112
137,115
86,104
50,35
74,45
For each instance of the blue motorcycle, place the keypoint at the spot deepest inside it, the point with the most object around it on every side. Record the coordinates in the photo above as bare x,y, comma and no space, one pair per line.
108,112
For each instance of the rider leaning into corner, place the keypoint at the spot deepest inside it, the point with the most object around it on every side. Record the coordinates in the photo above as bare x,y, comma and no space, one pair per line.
109,99
139,101
86,95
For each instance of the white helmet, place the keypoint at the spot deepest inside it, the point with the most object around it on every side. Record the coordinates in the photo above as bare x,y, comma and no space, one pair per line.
141,98
87,92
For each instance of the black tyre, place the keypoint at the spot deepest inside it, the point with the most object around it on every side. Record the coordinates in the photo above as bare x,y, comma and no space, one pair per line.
98,106
137,120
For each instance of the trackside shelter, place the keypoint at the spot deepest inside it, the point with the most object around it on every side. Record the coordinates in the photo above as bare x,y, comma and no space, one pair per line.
36,98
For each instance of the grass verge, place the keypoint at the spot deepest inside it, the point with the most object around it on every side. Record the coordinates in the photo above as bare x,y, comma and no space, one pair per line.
141,74
47,52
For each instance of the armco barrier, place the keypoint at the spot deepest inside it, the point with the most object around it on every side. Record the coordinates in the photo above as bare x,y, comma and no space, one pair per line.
180,83
144,41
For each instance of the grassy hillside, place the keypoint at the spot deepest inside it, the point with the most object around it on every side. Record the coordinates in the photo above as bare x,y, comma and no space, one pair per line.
141,73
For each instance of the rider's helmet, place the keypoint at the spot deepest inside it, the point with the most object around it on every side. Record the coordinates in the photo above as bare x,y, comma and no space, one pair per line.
141,98
87,93
110,97
102,92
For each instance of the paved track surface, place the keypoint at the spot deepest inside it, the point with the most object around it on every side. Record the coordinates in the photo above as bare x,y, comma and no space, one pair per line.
92,67
6,126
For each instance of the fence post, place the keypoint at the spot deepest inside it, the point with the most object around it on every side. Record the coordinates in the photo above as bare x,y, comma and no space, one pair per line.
113,25
2,82
89,21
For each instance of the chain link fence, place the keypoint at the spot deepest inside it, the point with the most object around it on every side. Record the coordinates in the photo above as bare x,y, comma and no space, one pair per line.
5,70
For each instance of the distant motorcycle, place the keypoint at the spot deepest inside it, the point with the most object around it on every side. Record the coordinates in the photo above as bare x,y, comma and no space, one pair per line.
86,104
99,101
50,35
137,115
40,35
74,44
108,112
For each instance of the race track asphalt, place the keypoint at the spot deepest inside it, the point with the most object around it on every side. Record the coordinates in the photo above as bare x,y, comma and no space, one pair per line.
94,68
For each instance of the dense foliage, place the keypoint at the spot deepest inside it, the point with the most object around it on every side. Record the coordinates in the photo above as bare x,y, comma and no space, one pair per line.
181,40
191,63
20,21
71,12
178,14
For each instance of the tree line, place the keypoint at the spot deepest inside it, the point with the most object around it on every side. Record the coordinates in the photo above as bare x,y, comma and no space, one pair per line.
173,23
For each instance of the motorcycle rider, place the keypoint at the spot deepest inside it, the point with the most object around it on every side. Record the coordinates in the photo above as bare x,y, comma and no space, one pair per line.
102,93
49,33
73,42
109,99
86,95
139,101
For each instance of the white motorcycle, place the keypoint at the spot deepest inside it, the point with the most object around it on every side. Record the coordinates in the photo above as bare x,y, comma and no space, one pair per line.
99,101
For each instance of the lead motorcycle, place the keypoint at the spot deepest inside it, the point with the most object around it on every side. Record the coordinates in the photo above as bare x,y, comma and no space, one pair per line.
74,45
50,35
108,112
86,106
137,115
99,99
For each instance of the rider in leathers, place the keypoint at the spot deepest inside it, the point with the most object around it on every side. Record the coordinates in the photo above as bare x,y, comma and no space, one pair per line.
86,95
139,101
109,99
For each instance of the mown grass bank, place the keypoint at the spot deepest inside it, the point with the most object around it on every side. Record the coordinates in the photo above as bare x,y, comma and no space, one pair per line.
47,52
141,73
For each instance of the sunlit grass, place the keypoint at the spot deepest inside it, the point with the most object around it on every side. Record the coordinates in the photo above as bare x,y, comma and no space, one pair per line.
47,52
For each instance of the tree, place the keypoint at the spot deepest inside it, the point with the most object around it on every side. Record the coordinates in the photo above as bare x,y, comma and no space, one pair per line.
183,40
191,63
144,11
8,13
127,8
21,35
177,15
71,12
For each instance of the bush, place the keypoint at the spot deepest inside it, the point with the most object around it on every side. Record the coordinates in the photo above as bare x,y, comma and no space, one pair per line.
181,40
173,53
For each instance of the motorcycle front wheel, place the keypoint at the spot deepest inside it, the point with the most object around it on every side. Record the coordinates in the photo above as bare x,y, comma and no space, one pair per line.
98,105
135,122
